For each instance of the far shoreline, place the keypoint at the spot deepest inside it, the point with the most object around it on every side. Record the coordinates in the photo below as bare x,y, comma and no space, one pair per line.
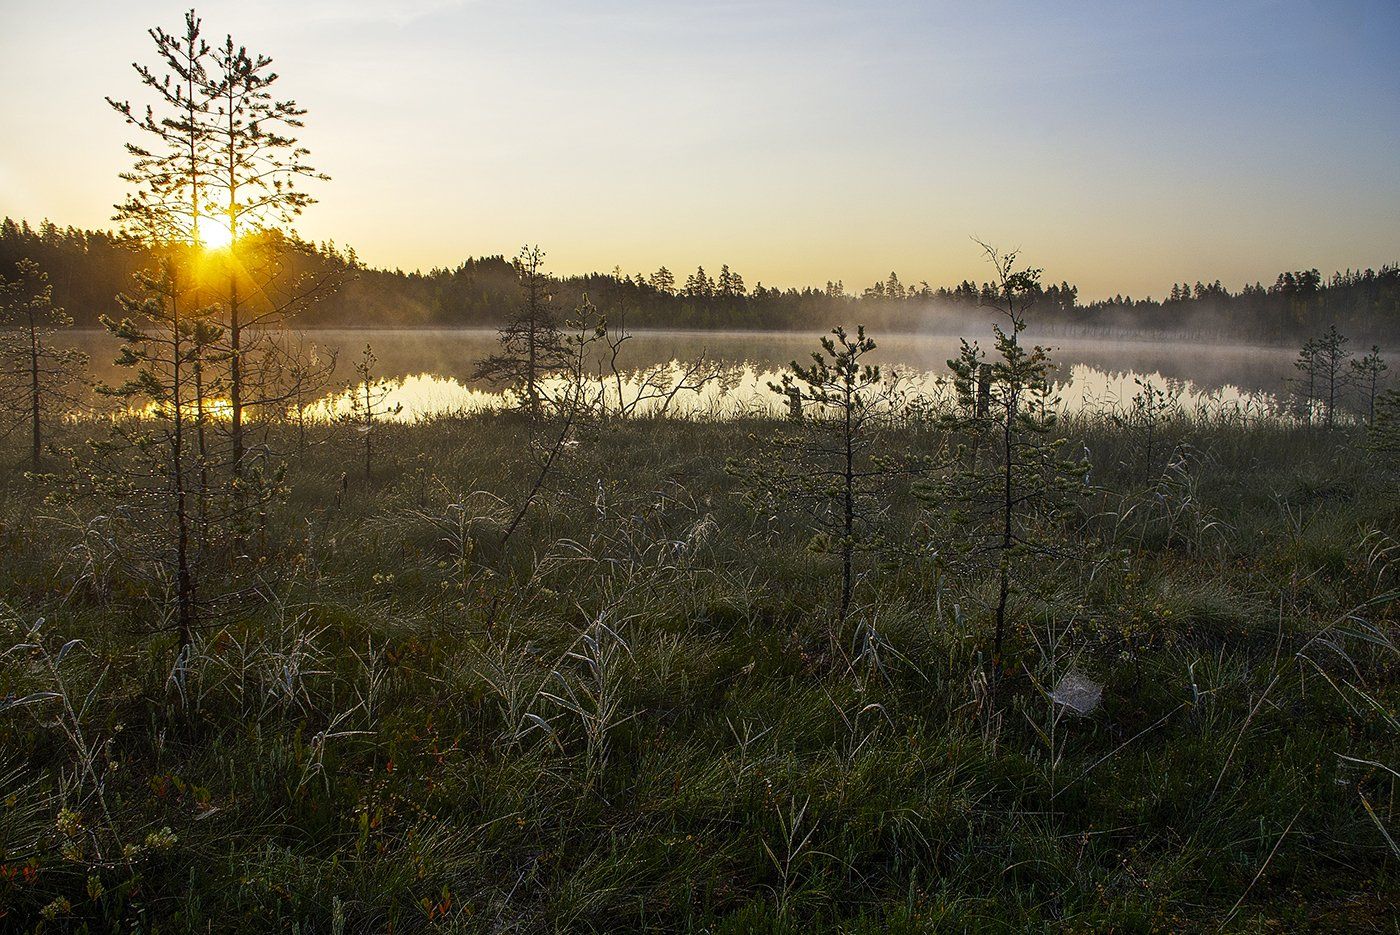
1220,339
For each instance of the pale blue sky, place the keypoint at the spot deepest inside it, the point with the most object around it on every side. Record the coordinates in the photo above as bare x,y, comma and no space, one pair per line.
1122,145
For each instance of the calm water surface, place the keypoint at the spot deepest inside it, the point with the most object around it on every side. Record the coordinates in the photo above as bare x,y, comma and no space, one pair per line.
431,370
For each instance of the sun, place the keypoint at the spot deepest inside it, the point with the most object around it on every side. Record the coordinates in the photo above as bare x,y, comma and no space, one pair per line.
214,236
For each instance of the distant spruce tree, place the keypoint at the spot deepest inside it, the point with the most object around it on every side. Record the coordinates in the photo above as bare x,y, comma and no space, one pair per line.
729,286
894,289
1002,490
699,285
663,281
531,345
35,373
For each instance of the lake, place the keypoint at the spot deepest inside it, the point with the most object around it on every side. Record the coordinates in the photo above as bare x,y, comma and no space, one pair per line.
432,369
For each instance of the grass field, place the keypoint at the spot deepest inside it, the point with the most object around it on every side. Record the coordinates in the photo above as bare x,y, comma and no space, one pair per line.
640,713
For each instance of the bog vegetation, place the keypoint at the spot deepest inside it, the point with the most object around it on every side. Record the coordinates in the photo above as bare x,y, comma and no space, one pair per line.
897,662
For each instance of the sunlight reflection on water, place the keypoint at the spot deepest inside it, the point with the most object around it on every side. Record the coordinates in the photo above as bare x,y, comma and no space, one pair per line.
431,371
743,390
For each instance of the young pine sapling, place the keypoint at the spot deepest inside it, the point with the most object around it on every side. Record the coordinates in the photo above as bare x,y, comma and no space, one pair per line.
369,406
830,463
1368,375
35,374
531,345
1001,493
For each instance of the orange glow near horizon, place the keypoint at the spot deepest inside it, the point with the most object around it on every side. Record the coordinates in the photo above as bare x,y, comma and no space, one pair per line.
1122,147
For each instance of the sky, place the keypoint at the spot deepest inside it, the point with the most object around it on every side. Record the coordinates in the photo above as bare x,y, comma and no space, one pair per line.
1121,146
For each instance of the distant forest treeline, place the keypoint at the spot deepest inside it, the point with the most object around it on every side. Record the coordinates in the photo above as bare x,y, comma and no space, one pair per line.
88,269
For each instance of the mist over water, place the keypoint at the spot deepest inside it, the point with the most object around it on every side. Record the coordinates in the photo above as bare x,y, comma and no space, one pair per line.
432,369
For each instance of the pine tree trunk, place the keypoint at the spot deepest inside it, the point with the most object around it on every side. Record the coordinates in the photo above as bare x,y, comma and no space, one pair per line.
1312,390
1008,464
369,428
184,580
235,331
36,440
202,496
847,543
530,373
1331,390
235,389
1151,432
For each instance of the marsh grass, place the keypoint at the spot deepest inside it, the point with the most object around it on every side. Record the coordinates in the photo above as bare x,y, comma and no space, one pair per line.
630,716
